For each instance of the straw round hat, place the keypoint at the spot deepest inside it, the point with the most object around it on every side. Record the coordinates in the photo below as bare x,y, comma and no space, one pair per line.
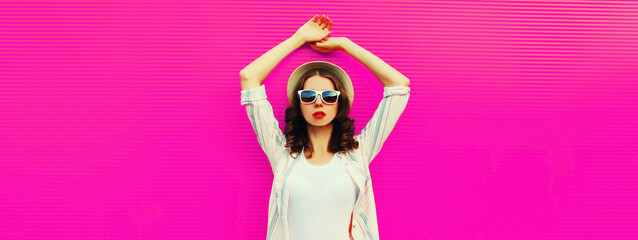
340,73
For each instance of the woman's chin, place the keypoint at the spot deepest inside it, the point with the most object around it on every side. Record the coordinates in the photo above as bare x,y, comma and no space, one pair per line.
319,122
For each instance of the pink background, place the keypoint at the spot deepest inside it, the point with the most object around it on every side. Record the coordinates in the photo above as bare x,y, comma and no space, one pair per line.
122,119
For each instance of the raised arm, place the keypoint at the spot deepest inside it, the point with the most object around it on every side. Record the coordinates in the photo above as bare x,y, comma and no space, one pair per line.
388,76
254,74
253,93
396,93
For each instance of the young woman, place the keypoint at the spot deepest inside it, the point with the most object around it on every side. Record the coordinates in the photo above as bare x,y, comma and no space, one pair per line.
321,187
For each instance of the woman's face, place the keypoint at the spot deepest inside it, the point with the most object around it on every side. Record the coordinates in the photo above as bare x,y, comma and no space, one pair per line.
308,110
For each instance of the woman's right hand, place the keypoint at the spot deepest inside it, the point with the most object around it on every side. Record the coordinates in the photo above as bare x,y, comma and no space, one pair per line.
315,29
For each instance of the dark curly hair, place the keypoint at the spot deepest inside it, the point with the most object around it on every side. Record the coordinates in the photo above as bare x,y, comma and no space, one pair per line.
342,138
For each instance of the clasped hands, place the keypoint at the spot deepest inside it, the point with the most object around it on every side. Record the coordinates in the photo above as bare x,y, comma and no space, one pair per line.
315,32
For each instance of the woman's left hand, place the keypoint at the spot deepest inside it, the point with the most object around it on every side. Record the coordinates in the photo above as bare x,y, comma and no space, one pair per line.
328,44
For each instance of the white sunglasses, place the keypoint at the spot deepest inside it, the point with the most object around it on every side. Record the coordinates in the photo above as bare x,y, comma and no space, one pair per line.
327,96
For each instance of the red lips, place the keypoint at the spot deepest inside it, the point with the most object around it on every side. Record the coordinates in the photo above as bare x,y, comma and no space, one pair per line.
319,114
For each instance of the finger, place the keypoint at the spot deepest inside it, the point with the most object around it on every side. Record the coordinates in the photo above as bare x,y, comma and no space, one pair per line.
323,16
325,22
330,25
314,19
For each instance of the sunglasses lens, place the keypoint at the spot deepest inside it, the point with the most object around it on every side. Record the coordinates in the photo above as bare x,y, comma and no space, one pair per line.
308,96
330,96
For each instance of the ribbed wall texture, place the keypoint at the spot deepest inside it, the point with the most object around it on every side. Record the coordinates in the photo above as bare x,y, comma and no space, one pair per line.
122,119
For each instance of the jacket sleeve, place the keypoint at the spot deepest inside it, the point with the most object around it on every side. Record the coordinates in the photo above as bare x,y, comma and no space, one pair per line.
374,134
260,112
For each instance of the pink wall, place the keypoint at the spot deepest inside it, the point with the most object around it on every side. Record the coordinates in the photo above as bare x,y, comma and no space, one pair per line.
122,119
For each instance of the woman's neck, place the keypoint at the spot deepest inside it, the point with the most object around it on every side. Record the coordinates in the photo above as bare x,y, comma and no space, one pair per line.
320,138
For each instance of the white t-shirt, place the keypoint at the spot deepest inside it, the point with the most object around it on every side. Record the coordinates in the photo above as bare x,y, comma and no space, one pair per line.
321,201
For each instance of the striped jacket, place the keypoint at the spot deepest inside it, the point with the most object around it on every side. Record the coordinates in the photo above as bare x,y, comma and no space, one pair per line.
356,161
